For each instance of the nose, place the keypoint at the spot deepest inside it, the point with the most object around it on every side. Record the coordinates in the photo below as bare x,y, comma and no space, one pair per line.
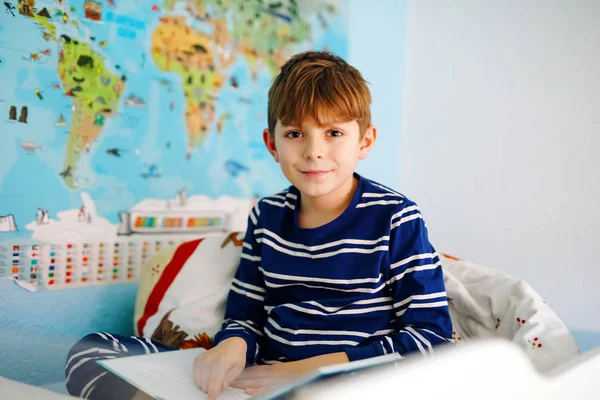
314,147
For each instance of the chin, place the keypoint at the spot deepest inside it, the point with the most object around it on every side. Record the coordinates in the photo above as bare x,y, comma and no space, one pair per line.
316,186
316,189
312,191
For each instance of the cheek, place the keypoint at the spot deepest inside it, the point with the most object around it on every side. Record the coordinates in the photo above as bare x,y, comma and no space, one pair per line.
348,150
286,152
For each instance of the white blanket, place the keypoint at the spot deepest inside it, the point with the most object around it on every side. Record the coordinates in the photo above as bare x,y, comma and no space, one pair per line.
488,303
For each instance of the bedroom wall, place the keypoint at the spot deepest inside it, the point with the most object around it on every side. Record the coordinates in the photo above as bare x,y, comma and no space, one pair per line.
500,139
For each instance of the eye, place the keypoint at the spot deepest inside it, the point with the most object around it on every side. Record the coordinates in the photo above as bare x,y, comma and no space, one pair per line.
335,133
293,135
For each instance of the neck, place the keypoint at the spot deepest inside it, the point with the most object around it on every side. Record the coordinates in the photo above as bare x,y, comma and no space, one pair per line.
317,211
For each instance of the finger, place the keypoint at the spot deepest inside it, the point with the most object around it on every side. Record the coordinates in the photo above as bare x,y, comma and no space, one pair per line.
253,383
201,374
197,372
229,376
255,376
205,379
215,383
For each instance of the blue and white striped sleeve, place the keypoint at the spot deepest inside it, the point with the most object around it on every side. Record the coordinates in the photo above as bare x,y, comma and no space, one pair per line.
416,284
245,314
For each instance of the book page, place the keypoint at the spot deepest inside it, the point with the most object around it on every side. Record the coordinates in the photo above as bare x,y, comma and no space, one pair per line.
165,375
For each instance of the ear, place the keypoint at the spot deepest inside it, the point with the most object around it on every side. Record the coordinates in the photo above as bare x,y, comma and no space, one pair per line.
367,142
270,143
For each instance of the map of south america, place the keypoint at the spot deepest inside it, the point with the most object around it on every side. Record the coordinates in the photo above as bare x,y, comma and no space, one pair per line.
94,89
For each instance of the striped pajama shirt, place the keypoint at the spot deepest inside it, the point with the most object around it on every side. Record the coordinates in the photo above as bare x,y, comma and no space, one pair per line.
368,283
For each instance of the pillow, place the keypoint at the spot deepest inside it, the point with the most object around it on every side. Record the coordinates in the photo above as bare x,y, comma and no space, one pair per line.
183,290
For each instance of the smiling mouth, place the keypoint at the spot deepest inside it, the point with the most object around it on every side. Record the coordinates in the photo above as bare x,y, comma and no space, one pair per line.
315,173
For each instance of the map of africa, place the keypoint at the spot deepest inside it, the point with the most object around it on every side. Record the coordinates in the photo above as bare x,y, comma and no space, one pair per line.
117,103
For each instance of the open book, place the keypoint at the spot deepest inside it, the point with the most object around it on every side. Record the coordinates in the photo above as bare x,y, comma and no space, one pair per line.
168,375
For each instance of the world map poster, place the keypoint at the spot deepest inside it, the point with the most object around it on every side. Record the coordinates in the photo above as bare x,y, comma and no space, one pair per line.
123,119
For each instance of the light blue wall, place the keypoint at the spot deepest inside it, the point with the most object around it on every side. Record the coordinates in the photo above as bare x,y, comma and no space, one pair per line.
377,47
37,329
586,340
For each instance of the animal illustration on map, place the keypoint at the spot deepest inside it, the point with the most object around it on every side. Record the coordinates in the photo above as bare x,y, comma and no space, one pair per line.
41,216
66,173
235,168
9,8
115,152
135,101
38,57
30,146
12,113
61,121
152,172
23,116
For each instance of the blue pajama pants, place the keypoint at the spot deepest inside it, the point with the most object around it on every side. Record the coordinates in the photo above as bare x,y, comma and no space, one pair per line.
88,379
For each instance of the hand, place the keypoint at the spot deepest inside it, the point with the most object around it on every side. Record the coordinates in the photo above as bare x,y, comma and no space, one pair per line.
216,368
257,379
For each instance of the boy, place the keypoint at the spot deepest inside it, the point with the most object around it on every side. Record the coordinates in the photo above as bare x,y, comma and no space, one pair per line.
337,268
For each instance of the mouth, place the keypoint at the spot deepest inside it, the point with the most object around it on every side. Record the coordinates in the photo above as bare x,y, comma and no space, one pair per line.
314,173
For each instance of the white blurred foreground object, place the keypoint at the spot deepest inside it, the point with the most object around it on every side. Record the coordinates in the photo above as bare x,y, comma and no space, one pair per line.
490,369
13,390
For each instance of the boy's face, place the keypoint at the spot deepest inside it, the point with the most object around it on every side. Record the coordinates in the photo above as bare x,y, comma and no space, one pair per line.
319,160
